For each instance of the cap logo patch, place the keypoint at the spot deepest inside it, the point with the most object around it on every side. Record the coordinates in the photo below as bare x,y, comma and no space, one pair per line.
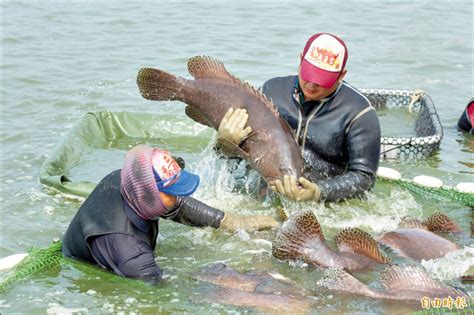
326,53
166,167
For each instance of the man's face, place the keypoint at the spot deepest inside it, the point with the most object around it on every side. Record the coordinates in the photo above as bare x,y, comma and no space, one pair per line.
315,92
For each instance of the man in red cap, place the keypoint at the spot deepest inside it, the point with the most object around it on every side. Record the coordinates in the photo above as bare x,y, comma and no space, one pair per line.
335,124
117,225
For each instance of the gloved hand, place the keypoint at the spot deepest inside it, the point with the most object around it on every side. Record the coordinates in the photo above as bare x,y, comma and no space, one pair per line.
232,222
232,126
290,189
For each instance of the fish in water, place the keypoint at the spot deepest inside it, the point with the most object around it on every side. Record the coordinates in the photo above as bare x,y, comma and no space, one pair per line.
416,240
437,222
301,238
270,149
251,281
408,283
260,290
263,302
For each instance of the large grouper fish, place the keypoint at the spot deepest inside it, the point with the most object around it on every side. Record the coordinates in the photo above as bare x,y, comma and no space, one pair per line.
301,238
265,291
405,283
416,239
270,149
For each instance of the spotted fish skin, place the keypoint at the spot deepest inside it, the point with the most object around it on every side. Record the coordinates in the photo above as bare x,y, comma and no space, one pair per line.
403,283
301,238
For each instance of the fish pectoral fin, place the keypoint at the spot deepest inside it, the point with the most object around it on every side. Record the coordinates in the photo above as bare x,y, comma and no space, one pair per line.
412,223
298,235
340,280
440,222
396,278
197,116
308,224
230,149
356,241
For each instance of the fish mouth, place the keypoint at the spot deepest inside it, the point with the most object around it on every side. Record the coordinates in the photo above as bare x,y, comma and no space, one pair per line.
281,175
288,171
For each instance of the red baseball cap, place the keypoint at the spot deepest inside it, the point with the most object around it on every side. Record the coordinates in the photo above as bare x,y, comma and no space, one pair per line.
324,58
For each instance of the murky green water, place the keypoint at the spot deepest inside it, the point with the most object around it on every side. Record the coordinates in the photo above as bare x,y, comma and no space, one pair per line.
61,59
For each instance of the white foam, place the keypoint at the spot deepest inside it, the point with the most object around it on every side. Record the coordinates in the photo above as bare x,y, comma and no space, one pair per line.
262,242
58,309
48,210
279,276
453,265
384,214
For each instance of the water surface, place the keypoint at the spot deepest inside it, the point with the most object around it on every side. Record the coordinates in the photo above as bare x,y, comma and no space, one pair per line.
61,59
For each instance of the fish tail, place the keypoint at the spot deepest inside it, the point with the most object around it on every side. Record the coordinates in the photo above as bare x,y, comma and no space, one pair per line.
158,85
295,235
340,280
440,222
359,242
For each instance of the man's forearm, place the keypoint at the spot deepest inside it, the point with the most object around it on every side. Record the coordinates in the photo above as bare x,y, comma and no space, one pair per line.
192,212
348,185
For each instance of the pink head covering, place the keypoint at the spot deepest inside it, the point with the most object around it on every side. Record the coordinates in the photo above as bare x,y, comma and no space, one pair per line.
138,184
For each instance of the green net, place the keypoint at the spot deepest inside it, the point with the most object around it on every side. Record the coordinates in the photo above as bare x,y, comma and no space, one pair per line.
444,310
41,258
442,193
37,259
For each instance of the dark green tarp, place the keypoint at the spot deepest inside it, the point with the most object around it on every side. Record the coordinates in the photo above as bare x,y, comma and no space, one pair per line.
93,130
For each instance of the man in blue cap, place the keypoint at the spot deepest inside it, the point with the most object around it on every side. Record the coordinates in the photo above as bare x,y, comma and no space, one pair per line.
117,225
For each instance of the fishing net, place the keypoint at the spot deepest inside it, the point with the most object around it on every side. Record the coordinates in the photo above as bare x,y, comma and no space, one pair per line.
446,310
36,260
427,133
42,258
442,193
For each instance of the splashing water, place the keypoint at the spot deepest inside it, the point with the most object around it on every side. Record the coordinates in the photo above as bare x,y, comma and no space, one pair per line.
453,265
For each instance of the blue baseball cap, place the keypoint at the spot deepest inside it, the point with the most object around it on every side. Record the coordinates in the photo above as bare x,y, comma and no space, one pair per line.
170,177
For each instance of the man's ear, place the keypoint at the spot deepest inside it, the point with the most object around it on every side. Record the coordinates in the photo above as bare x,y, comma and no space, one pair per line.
342,75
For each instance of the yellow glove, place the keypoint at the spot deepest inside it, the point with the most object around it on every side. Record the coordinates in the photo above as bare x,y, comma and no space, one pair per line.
291,190
232,223
232,126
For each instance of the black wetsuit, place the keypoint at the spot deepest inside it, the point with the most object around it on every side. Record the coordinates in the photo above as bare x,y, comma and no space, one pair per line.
340,136
107,232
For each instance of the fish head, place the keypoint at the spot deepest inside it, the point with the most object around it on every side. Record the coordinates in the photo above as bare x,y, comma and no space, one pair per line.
275,163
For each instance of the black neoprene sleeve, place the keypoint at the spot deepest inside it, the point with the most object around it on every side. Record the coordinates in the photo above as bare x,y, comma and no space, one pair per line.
190,211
